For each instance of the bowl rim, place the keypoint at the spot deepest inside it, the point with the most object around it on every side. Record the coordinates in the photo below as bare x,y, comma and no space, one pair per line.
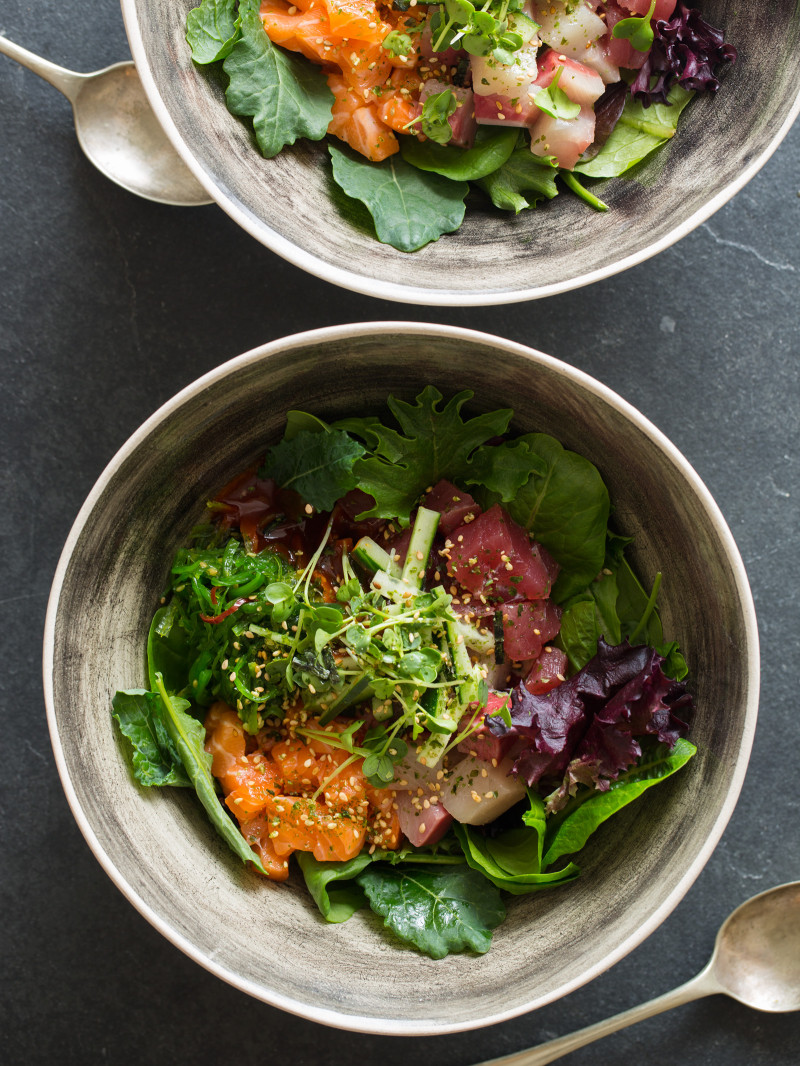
364,1023
388,290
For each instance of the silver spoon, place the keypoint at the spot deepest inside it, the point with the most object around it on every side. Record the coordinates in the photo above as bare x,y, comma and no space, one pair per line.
118,130
756,960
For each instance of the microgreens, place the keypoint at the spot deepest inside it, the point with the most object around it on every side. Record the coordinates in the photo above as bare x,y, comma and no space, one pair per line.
397,43
638,31
555,102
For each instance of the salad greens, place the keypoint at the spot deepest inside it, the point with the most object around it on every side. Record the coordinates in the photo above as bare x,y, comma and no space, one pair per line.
365,651
418,195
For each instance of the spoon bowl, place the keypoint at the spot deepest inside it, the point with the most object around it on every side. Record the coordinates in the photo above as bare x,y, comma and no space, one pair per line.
757,954
118,130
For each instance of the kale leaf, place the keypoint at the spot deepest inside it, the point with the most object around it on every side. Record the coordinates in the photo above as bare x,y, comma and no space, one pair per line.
319,466
286,96
441,910
212,29
410,208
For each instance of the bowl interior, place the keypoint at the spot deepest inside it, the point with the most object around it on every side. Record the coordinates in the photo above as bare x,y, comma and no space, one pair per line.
495,257
268,939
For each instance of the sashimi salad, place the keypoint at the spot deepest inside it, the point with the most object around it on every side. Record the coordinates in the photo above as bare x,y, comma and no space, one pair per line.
414,657
430,96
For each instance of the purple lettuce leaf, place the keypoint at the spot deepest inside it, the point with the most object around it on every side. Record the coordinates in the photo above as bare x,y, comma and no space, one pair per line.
584,731
685,49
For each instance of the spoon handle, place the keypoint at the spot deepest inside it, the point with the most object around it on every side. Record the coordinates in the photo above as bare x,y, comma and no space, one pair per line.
702,985
66,81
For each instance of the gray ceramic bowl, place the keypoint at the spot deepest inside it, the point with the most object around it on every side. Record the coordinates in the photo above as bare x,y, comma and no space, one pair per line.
268,939
494,258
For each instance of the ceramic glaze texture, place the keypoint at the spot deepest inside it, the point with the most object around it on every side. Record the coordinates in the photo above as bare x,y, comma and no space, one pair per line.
495,257
268,939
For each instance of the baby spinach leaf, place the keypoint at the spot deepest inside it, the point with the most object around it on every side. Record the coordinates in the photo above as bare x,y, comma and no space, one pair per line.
565,504
212,29
579,631
333,885
286,96
638,132
434,443
410,208
511,861
441,910
502,468
317,465
523,172
491,149
188,738
569,830
155,758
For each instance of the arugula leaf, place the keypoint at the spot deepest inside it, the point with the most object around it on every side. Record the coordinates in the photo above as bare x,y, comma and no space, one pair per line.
410,208
569,830
212,29
188,738
286,96
332,885
155,758
441,910
565,504
638,132
523,172
319,466
491,149
433,444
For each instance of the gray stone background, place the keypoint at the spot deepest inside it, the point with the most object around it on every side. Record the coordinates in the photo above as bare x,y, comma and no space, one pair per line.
108,306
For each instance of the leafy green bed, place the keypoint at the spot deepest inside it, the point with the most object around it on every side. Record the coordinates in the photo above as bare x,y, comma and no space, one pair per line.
419,195
225,603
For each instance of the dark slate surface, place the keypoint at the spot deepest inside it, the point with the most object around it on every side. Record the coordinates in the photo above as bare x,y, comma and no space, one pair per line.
108,305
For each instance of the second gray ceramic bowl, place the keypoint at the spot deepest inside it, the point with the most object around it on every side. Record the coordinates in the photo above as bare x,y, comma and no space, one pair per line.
267,938
495,257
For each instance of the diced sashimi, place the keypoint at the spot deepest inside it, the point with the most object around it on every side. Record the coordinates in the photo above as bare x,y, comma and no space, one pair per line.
663,10
482,743
597,57
356,19
581,84
462,121
548,671
566,140
479,792
489,77
527,627
567,28
455,506
620,50
494,557
501,111
420,823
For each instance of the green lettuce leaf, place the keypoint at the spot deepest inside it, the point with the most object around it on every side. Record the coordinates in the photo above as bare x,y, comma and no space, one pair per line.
317,465
155,757
434,443
638,132
286,96
189,737
332,885
410,208
212,29
569,830
522,173
440,910
491,149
